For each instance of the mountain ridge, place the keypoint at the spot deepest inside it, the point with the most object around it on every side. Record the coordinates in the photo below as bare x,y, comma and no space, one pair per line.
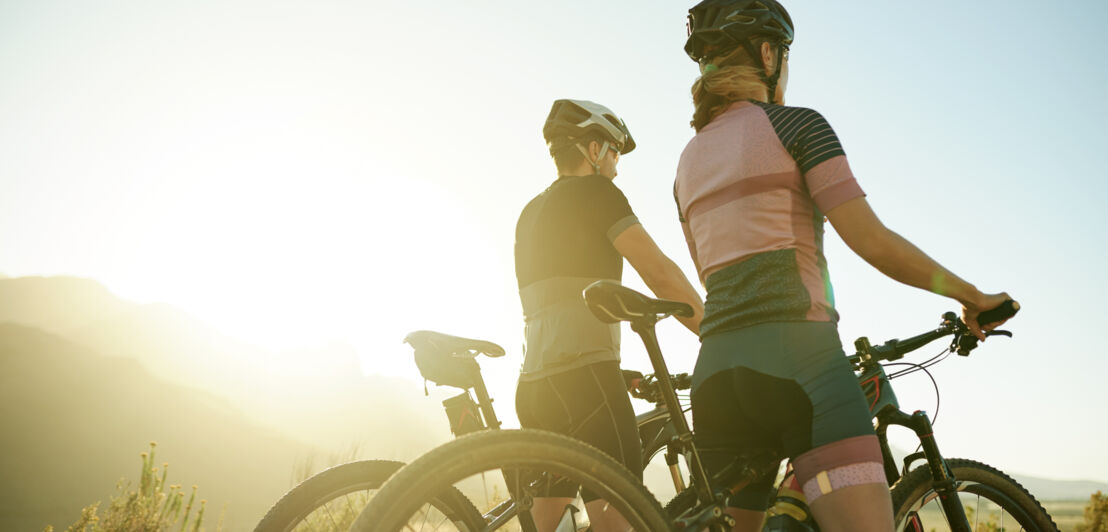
285,390
75,422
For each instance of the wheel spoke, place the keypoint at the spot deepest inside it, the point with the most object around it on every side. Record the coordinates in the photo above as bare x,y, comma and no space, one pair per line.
426,517
977,513
331,516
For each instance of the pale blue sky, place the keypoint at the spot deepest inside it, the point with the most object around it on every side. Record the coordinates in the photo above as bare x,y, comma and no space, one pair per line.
298,172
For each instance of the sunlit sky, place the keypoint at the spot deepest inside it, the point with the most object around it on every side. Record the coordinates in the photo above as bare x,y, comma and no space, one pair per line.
297,173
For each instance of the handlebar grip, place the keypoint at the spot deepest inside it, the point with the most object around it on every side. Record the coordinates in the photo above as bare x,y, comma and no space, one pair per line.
631,378
1006,310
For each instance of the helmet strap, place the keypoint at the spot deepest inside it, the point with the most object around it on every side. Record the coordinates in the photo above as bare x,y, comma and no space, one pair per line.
771,80
595,164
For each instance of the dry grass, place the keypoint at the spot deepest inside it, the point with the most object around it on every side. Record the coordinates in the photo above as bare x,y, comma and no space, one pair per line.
153,506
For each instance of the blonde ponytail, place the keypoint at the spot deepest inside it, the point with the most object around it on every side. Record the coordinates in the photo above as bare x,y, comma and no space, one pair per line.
736,79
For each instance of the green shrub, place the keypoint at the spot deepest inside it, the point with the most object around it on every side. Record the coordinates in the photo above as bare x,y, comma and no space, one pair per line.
152,507
1096,514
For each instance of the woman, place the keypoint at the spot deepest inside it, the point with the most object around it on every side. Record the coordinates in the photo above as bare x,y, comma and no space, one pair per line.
753,188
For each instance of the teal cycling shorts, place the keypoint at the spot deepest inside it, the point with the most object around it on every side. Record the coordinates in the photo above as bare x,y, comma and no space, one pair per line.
783,387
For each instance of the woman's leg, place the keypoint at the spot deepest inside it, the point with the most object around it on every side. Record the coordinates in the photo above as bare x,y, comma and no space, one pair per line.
861,508
723,431
746,520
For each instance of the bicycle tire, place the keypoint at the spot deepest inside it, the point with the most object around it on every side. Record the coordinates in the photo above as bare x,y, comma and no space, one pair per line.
522,449
295,507
681,503
914,491
682,500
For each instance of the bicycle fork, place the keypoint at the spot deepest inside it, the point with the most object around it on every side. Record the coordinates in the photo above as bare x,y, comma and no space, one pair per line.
943,481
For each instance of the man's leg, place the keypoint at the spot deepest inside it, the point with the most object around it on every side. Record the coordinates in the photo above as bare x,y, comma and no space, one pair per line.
546,511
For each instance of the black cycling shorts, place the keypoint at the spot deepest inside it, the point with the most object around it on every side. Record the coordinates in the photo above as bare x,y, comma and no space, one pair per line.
785,388
588,403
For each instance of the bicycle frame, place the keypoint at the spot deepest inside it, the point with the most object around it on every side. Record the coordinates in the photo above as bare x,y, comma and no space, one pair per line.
883,406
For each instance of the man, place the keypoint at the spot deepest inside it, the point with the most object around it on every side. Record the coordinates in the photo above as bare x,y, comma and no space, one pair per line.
575,232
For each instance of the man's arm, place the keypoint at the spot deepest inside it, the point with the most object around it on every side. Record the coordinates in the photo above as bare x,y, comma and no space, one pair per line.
901,260
661,274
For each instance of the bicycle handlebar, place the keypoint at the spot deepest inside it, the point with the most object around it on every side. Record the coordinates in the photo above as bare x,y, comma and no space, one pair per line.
646,386
952,325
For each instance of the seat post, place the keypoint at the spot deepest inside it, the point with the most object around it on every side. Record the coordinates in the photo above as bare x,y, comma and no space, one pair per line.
484,401
645,329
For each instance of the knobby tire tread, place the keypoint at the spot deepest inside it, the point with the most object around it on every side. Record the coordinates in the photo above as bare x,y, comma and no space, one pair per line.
487,450
341,480
917,484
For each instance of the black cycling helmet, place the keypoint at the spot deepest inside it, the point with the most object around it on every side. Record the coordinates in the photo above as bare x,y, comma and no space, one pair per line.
715,26
571,120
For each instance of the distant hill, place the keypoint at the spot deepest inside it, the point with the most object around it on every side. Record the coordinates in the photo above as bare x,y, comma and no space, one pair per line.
56,304
1060,490
75,422
284,390
74,352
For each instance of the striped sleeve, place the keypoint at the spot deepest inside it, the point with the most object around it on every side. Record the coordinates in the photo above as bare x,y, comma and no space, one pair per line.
805,133
818,153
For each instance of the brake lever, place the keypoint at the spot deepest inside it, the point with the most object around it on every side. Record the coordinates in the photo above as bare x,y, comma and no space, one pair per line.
638,392
966,342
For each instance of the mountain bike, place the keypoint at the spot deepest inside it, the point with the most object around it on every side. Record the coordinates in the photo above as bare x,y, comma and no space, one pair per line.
332,499
952,489
942,494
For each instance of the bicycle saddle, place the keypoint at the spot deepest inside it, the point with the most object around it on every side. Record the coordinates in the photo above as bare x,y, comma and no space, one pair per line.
612,302
446,345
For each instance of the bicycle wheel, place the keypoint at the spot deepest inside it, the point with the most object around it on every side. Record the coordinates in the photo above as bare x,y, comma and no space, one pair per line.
993,501
524,460
332,499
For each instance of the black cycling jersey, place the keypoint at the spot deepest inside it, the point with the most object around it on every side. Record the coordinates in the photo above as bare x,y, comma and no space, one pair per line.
564,243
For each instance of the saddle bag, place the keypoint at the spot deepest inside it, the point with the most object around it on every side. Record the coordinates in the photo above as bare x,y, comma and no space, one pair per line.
463,413
446,370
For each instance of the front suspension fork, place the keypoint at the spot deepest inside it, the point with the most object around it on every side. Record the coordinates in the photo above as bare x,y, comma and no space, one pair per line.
943,481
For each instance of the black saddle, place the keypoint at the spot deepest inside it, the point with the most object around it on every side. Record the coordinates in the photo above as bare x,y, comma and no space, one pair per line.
612,302
449,360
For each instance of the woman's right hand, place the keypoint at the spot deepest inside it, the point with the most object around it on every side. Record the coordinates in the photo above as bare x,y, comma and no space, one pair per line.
979,304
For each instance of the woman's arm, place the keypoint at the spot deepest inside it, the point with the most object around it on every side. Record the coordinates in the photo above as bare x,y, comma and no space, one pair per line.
901,260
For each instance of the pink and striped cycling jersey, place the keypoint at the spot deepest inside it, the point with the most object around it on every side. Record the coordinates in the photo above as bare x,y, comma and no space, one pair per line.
751,190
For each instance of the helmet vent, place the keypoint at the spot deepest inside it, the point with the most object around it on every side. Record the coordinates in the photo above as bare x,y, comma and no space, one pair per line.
741,18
